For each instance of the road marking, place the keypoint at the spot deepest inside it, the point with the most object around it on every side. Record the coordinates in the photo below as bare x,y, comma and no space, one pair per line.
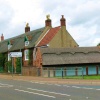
57,84
66,85
48,91
75,86
35,93
6,85
82,87
36,82
41,83
87,88
49,84
97,89
32,82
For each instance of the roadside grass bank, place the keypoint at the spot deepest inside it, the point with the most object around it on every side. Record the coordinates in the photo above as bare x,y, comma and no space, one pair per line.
94,77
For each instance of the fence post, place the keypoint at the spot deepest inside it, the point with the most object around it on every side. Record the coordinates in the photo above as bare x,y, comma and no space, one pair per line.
48,73
54,72
82,74
62,72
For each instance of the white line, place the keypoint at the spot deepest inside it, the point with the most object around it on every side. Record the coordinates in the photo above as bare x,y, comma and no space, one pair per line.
57,85
36,82
97,89
35,93
86,88
82,87
66,85
48,92
41,83
6,85
32,82
75,87
49,84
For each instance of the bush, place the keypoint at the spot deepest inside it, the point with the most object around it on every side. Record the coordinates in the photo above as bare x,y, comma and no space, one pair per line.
18,65
2,61
8,65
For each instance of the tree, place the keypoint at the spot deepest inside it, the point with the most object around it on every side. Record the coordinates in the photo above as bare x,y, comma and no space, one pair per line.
98,44
18,65
2,61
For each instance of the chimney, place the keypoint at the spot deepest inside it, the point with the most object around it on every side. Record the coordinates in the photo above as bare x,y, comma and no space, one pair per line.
48,21
27,28
2,37
63,21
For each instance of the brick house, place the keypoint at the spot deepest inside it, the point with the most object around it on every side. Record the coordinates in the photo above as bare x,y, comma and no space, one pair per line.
53,37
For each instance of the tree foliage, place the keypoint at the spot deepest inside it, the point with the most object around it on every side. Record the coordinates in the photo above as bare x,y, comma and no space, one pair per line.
98,44
18,65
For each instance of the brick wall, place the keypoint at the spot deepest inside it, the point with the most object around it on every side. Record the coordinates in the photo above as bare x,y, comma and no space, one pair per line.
38,61
29,71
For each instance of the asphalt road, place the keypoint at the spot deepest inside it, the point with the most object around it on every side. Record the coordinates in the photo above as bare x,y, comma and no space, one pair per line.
32,90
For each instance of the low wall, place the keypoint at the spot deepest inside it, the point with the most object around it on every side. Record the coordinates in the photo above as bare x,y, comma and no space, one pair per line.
29,71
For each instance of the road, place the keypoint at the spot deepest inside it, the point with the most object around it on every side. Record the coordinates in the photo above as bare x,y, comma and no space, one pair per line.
32,90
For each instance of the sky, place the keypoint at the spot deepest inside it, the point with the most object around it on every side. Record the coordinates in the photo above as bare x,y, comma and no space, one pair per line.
82,17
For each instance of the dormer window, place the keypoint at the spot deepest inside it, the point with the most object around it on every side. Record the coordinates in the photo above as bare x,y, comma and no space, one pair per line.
26,41
9,45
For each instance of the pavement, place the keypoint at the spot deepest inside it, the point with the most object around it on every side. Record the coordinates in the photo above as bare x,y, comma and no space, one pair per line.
50,80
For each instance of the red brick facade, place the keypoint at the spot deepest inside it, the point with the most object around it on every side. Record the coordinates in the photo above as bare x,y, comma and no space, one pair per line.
38,61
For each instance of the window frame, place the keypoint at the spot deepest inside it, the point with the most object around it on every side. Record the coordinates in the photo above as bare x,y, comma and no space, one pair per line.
26,54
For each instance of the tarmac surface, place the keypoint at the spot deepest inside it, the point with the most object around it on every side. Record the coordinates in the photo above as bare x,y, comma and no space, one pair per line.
50,80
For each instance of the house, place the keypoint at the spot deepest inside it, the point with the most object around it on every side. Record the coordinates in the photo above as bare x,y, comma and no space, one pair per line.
30,41
71,60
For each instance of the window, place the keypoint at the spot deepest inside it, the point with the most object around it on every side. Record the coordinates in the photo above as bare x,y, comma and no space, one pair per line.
9,58
9,46
26,43
26,54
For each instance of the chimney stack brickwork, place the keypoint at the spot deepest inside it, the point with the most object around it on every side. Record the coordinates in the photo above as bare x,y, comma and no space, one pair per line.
63,21
27,28
2,37
48,21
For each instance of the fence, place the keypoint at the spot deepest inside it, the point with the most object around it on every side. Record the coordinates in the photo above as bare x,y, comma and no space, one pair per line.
62,72
98,70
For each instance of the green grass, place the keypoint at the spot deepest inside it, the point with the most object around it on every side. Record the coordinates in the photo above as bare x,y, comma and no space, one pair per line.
71,77
80,77
92,77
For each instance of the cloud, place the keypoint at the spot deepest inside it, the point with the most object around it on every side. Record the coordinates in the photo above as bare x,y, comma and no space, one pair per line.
6,14
86,12
82,17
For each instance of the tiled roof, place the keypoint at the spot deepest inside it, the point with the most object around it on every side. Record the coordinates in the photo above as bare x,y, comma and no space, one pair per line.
18,41
49,35
78,55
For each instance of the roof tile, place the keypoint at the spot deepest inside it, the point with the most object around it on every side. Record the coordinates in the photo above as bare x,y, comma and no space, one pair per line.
48,37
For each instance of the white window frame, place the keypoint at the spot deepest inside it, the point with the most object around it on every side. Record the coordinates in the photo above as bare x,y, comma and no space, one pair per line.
9,46
26,43
26,54
9,58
